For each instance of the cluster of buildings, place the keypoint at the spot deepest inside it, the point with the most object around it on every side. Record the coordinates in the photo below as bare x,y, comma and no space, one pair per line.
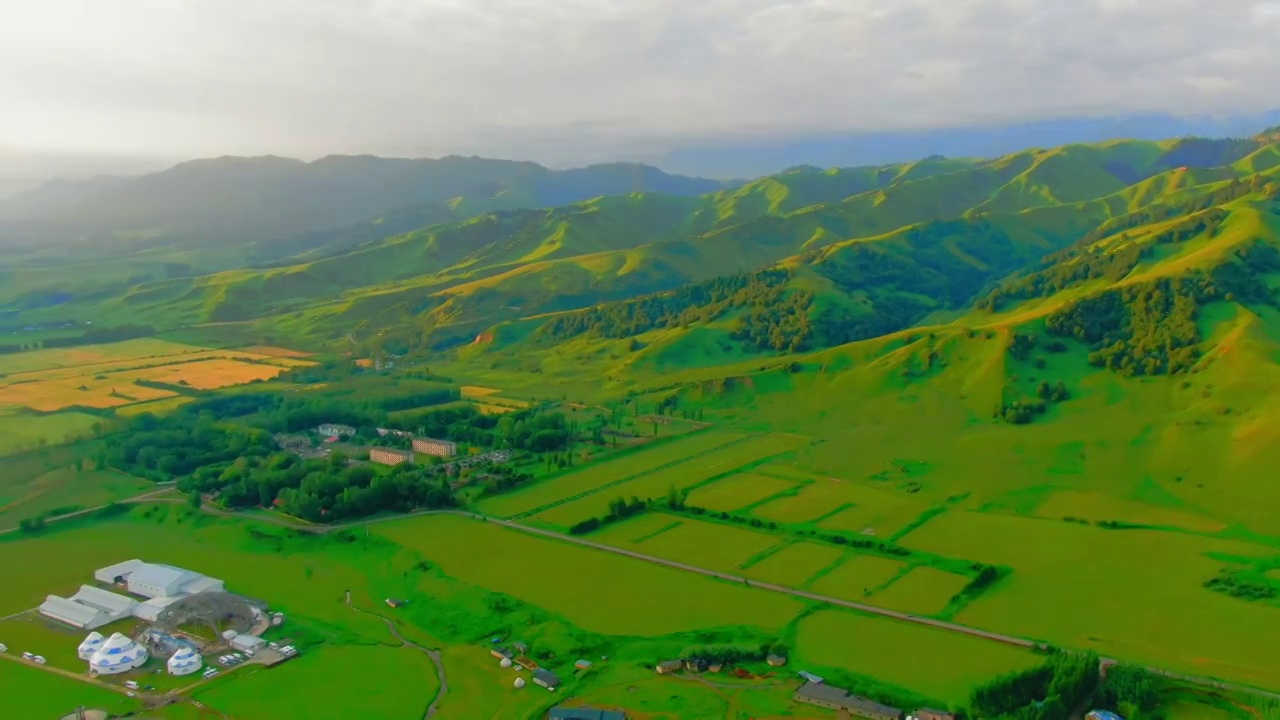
518,655
700,665
114,655
394,456
834,698
161,585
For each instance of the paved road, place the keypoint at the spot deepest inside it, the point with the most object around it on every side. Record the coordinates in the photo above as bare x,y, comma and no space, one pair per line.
433,654
803,594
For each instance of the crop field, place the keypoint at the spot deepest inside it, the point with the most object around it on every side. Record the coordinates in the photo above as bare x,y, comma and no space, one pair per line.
93,355
863,507
30,692
794,564
64,490
272,351
1089,587
331,681
1097,507
155,407
26,431
551,575
680,476
611,470
941,665
923,591
858,576
697,542
737,491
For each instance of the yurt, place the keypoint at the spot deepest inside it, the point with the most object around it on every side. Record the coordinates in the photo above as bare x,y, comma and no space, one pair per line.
505,662
90,645
229,635
117,655
184,662
519,682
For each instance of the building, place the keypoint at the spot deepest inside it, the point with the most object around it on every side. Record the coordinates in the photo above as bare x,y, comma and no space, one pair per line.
117,574
582,664
184,662
521,648
715,666
695,665
501,653
1102,715
90,645
395,602
932,714
810,677
669,666
390,456
118,654
836,698
546,679
335,430
248,643
776,660
149,610
431,446
383,432
115,606
64,610
583,713
154,580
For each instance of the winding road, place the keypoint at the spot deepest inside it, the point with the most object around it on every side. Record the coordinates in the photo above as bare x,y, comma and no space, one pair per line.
802,594
433,654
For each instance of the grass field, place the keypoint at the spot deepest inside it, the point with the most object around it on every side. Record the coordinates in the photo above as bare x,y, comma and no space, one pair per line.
1098,506
26,431
794,564
865,507
856,576
480,689
680,476
737,491
943,666
697,542
551,575
30,692
1133,594
611,470
64,489
155,407
923,591
332,681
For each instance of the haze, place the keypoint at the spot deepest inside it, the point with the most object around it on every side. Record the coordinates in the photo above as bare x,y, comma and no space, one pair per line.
569,81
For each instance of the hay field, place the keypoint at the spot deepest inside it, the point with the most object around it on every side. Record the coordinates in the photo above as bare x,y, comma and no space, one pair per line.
325,683
93,355
738,491
1135,595
922,591
606,471
941,665
211,374
858,576
679,476
794,564
626,596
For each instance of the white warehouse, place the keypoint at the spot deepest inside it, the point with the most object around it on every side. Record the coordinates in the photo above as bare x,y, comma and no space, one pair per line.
89,608
155,580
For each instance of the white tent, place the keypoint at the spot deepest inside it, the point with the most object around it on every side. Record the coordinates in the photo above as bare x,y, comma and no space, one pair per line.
117,655
90,645
519,682
184,662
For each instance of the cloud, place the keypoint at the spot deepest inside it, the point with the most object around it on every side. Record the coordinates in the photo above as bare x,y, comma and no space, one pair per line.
560,79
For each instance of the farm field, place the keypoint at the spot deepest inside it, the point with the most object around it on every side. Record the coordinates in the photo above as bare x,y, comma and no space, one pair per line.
21,431
697,542
1089,587
490,556
155,407
1098,507
30,692
331,681
106,353
606,471
943,666
480,689
922,591
63,490
738,491
684,475
857,576
844,505
794,564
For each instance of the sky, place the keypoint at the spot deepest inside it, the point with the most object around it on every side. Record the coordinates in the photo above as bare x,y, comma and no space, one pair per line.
569,81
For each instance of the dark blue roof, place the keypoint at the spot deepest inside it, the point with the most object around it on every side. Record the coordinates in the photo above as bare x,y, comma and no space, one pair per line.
583,713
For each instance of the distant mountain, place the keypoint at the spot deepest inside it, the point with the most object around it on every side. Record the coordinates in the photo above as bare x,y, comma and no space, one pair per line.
745,157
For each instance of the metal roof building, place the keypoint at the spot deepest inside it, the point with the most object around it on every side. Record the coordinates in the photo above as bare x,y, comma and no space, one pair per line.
151,609
73,613
119,572
117,606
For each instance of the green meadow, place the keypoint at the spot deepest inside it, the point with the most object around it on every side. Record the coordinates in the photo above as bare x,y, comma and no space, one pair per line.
63,490
30,692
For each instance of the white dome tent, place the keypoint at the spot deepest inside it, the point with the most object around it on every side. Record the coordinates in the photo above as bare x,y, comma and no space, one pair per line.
185,662
505,662
519,683
118,654
90,645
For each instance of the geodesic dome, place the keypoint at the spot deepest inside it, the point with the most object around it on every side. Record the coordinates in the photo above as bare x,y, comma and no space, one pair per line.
216,612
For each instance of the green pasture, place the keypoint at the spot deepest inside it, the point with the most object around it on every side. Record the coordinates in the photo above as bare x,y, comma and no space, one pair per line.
610,470
31,692
700,543
844,505
657,483
480,689
155,407
595,590
33,632
1100,507
332,681
20,431
737,491
64,489
857,577
794,564
1135,595
944,666
645,694
922,591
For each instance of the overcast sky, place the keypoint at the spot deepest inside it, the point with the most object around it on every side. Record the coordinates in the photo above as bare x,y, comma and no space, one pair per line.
570,80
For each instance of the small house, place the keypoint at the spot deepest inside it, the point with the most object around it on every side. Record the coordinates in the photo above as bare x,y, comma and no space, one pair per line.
521,648
546,679
669,666
501,653
695,665
582,664
715,666
776,660
395,602
335,430
932,714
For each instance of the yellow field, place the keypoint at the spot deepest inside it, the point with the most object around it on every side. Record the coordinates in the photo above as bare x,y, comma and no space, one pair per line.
487,409
155,407
61,393
270,351
475,391
211,374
